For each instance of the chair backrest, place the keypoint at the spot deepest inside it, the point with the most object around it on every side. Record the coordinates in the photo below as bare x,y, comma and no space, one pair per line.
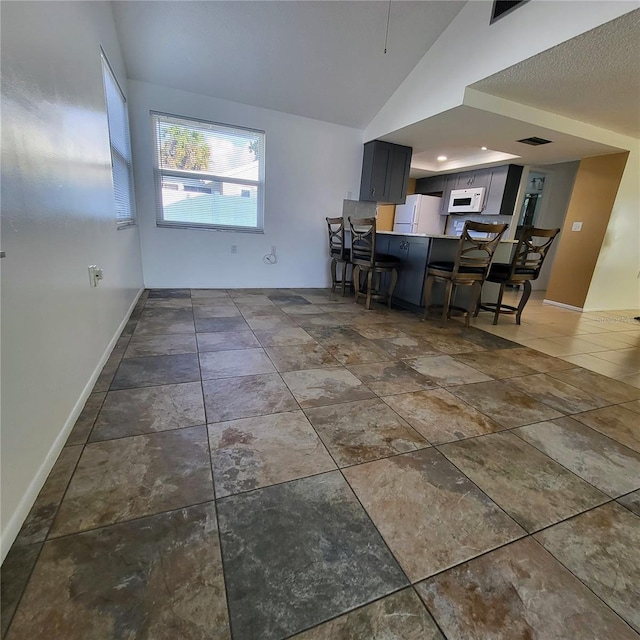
363,240
531,250
476,253
336,238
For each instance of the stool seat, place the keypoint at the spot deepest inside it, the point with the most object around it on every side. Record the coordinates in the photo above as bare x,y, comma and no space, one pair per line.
502,272
528,258
341,254
469,269
365,260
449,266
380,259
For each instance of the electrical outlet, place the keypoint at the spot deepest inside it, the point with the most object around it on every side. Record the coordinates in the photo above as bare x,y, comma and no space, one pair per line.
576,226
95,275
234,248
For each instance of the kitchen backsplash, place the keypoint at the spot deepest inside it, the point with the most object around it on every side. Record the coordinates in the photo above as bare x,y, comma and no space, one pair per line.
456,223
358,209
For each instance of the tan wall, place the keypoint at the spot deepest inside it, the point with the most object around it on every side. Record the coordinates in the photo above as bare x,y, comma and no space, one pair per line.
592,199
387,212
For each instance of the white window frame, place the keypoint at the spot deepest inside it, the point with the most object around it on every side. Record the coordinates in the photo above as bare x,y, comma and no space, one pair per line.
159,173
131,220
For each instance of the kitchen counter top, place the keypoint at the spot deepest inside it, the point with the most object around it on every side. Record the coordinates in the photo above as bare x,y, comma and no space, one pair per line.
431,235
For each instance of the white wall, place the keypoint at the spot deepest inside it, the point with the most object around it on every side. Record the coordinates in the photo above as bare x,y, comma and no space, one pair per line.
57,218
616,280
310,168
470,49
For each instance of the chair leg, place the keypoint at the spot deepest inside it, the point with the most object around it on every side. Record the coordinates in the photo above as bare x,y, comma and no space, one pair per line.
355,275
334,275
474,302
496,315
478,302
392,286
523,300
428,289
344,277
448,288
367,304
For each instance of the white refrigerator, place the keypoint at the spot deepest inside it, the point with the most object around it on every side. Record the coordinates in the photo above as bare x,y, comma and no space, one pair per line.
420,214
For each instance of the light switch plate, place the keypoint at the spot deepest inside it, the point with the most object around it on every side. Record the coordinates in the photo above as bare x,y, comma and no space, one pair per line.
576,226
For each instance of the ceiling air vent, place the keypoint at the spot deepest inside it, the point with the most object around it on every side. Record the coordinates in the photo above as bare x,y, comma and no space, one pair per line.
533,141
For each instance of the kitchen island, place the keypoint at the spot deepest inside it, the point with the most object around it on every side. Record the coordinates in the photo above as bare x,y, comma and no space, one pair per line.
414,251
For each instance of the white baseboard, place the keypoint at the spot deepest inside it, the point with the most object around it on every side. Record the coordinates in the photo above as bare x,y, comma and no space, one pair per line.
563,305
24,506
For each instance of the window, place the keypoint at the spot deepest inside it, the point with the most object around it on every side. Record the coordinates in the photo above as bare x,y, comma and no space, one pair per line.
208,176
120,148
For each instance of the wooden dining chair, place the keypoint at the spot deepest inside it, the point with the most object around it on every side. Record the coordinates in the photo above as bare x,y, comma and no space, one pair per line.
469,269
366,261
524,267
339,254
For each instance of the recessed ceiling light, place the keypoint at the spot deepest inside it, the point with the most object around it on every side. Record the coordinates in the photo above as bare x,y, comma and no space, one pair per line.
484,148
442,158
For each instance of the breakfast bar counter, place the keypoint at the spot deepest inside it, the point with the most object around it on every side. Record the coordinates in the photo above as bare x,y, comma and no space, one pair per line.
415,251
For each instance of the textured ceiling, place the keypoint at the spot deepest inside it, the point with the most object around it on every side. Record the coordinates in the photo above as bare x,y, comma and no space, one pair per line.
461,133
593,78
321,60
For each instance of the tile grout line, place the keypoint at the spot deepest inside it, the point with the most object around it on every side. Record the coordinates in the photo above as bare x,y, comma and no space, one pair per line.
68,483
129,520
582,582
215,504
369,518
573,473
435,621
339,468
353,610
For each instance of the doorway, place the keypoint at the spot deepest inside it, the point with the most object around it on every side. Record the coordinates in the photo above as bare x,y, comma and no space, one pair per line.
532,202
545,204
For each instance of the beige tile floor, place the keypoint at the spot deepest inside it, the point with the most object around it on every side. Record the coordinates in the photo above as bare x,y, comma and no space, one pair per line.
275,464
607,342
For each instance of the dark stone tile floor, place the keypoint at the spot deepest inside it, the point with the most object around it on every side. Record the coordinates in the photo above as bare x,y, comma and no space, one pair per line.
279,463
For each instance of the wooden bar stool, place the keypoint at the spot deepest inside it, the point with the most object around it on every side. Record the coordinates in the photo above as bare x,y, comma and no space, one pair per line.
365,259
339,254
469,269
525,265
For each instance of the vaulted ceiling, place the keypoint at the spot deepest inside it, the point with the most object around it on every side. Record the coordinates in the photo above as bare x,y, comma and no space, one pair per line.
326,60
322,60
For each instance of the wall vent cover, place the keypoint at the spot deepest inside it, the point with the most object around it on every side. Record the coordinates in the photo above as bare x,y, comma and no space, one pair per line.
534,141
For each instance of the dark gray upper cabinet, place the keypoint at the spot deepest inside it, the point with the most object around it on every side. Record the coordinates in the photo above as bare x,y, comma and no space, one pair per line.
464,180
475,179
438,186
449,186
502,190
385,172
482,178
431,186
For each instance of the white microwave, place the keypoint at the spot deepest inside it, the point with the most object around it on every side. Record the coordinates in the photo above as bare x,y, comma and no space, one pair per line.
466,200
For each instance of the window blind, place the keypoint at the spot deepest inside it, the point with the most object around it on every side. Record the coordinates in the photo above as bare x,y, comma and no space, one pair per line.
208,175
121,168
